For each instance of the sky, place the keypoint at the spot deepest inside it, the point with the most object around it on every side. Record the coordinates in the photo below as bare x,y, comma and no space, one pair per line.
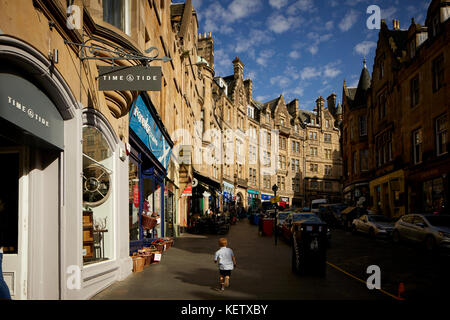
301,49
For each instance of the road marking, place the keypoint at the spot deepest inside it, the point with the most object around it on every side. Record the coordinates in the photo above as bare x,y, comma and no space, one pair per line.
362,281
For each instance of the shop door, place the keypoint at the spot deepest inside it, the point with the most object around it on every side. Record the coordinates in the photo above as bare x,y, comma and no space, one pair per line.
14,197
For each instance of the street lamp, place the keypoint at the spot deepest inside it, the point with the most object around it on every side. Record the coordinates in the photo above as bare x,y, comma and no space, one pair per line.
275,189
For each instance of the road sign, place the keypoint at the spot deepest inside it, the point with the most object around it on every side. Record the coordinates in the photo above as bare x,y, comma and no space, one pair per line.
275,199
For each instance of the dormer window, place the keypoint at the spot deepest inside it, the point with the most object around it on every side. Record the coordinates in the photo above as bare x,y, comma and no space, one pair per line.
313,121
267,117
282,121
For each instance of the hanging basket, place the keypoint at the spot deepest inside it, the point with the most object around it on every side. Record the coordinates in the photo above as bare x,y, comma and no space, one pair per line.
148,223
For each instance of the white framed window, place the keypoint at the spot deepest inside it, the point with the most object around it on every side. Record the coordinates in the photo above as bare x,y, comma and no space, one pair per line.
118,13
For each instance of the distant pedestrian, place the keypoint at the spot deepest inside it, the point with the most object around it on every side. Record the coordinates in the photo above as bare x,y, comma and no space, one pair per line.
227,262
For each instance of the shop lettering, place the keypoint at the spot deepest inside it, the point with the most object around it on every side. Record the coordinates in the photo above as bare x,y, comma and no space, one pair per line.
374,281
130,78
243,309
192,310
144,124
29,111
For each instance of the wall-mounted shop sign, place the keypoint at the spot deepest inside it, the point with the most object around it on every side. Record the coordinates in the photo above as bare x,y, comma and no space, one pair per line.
25,105
145,127
137,78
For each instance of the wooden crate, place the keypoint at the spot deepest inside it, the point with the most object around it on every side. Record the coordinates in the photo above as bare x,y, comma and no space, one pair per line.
138,264
88,235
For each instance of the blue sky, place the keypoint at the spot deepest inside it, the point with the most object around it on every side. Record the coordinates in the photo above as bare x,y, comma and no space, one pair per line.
299,48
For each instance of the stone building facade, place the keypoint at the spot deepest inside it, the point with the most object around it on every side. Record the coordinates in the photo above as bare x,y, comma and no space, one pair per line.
407,112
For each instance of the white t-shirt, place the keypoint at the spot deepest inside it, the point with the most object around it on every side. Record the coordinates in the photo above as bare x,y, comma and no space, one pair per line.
224,256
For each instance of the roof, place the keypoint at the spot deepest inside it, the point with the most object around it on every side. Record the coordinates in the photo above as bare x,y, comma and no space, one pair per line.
231,84
360,99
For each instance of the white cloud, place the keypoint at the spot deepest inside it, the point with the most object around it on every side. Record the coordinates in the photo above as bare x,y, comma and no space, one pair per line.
349,20
219,19
313,49
301,6
364,47
253,39
331,71
278,23
388,14
294,54
278,3
264,57
310,73
281,81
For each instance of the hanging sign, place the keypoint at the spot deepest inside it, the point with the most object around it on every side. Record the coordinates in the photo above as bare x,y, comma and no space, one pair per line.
136,78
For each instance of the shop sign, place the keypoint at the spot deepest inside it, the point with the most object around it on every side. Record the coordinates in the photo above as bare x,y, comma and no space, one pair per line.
187,192
136,78
266,196
26,106
136,195
145,127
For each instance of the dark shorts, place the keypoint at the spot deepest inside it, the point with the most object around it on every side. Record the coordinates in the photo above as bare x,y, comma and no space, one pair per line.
225,273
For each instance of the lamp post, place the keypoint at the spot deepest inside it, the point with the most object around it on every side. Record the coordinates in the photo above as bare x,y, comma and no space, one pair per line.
275,189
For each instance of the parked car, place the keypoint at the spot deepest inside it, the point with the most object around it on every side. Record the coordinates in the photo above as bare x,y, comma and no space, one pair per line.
281,217
309,246
374,225
331,214
286,226
433,231
315,204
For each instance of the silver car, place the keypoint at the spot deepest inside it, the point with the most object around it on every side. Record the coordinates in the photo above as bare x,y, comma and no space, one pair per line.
431,230
374,225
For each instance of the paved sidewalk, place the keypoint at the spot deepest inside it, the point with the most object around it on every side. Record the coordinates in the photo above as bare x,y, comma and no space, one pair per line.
187,272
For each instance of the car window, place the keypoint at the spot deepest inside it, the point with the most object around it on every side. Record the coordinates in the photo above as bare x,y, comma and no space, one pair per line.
407,219
418,219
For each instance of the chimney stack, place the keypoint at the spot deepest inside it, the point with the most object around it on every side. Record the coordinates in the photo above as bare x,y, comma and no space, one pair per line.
396,25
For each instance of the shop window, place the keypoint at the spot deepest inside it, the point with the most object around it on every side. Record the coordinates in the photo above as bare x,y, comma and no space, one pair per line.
441,135
97,197
134,197
433,193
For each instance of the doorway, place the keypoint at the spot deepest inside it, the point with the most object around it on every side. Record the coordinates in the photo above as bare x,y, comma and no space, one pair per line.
13,196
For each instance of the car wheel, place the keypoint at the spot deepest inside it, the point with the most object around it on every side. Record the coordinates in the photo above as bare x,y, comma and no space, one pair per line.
371,233
430,243
396,236
354,231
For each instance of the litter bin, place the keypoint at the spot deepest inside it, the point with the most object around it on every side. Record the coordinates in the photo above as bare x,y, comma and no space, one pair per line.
268,226
256,219
309,247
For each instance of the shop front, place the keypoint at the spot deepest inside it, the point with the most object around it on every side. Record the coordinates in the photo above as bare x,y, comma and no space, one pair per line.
205,195
387,194
149,160
227,196
428,190
357,194
253,199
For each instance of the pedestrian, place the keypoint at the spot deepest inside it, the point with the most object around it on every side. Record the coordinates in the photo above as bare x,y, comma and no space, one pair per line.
4,290
226,261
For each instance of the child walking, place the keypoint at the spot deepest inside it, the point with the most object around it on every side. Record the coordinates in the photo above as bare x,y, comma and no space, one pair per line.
227,262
